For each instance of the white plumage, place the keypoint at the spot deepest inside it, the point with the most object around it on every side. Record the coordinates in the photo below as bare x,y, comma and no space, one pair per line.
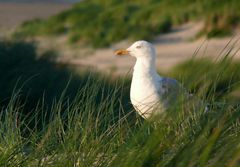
150,93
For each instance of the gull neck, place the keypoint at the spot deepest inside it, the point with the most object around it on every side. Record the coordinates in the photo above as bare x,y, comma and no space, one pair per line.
145,67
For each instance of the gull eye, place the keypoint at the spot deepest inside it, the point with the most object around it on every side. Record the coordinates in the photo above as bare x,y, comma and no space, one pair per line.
138,47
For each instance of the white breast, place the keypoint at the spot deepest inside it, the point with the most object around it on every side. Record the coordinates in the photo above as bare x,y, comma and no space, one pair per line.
144,94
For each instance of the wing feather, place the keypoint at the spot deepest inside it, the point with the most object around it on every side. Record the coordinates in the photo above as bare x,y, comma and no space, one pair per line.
172,92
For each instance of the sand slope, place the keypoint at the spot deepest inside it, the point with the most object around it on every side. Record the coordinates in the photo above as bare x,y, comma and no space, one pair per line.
172,48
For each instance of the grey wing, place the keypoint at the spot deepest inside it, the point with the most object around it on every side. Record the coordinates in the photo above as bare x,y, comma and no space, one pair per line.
170,86
170,90
174,92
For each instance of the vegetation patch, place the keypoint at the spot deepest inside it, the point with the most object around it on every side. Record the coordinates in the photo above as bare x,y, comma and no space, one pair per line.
101,23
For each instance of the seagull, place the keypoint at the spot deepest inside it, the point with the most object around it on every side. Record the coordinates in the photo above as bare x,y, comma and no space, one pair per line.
150,93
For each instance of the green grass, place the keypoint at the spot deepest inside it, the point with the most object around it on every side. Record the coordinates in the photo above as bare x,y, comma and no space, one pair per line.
219,78
85,133
101,23
51,120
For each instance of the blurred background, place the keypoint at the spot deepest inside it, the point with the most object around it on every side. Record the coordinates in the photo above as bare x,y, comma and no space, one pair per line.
86,33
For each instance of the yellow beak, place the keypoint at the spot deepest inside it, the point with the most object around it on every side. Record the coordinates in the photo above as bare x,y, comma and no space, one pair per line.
121,52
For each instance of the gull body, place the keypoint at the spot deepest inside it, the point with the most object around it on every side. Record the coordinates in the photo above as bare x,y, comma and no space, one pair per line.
150,93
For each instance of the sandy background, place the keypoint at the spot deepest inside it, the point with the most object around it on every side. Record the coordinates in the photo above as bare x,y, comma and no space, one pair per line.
172,48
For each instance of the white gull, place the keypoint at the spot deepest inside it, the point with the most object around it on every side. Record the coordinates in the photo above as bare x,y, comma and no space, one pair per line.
150,93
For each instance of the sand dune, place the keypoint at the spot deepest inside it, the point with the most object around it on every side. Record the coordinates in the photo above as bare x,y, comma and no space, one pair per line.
172,48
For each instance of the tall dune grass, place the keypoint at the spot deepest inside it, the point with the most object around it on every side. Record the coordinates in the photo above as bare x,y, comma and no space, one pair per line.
82,132
93,123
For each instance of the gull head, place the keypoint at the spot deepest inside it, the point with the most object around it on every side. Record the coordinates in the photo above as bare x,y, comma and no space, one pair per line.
139,49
